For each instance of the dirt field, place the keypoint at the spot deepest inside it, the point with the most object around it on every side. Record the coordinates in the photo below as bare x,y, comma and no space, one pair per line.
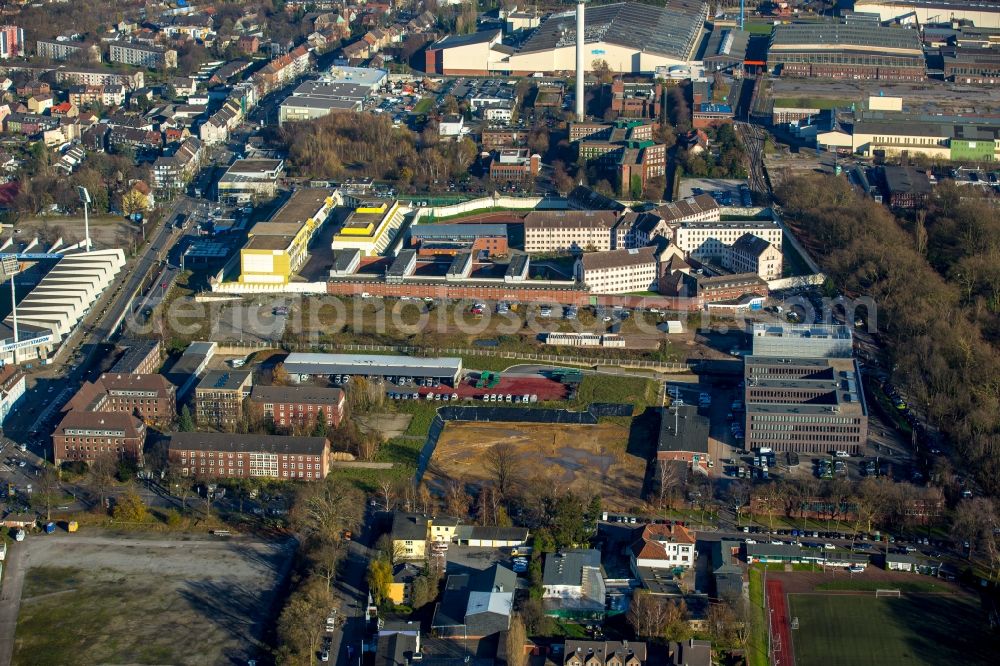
584,459
105,231
183,600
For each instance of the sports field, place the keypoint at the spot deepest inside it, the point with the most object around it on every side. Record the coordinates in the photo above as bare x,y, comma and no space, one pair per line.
860,629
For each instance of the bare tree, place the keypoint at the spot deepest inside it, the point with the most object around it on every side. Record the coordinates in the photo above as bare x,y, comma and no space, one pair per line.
387,488
515,640
325,557
101,478
456,499
670,474
49,489
501,462
647,614
327,508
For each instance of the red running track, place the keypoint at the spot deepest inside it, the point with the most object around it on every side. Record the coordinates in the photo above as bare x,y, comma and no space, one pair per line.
781,632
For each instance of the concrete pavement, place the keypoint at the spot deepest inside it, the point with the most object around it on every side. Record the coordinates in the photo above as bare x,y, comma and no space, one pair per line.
15,566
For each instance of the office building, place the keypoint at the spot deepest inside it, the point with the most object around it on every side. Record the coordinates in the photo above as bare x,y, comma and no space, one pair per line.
250,180
802,340
808,405
86,436
149,396
220,396
298,406
228,455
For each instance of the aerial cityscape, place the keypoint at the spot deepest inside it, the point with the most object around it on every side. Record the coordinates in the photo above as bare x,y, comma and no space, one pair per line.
506,333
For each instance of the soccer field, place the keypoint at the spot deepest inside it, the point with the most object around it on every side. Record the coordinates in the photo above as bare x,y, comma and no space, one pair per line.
855,630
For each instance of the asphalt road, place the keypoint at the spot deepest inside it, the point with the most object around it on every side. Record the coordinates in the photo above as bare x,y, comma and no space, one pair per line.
15,566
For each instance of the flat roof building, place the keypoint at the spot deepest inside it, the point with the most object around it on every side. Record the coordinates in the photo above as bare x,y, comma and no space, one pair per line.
315,99
307,365
846,51
804,405
220,396
370,228
450,239
803,340
250,180
278,248
630,37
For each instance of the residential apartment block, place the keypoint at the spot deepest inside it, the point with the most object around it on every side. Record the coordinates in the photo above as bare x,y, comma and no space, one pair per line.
226,455
565,230
220,395
619,271
607,653
56,49
11,41
88,435
298,406
142,55
173,172
112,94
101,77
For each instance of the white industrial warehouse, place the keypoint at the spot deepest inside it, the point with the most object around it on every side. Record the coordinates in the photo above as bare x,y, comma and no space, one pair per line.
630,37
54,307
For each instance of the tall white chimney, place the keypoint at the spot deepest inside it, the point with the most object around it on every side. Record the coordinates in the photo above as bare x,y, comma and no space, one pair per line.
579,59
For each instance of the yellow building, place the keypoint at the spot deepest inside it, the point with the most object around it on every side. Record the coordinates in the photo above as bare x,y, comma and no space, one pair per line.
370,228
278,248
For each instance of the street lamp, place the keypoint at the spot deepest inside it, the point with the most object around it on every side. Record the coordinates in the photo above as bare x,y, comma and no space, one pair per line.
85,198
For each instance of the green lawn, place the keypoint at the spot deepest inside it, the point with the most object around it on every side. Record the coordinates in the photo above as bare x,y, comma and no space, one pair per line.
759,28
637,391
423,106
860,630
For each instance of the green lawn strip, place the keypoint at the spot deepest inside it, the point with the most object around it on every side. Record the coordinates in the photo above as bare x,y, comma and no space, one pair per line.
872,585
757,649
821,103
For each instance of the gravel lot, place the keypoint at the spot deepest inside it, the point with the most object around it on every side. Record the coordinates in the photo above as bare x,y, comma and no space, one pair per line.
127,599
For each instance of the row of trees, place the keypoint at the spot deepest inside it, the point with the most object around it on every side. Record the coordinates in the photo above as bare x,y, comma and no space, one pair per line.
320,514
935,280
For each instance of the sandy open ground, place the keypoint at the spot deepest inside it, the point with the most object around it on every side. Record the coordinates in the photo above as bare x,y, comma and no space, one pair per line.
584,459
